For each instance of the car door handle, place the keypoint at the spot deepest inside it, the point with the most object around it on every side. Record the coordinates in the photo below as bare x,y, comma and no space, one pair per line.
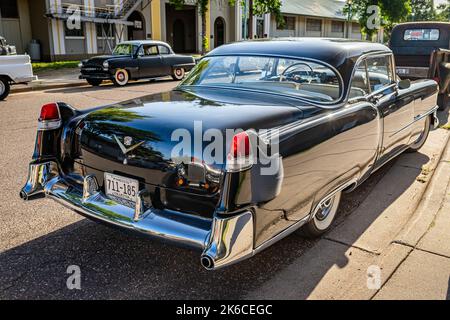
376,98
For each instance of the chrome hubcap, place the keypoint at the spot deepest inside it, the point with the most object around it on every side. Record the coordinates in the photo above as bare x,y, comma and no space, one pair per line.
325,209
2,87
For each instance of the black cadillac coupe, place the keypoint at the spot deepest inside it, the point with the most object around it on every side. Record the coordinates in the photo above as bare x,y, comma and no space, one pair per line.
133,60
260,139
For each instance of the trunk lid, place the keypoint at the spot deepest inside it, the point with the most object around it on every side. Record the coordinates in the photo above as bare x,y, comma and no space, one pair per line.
134,138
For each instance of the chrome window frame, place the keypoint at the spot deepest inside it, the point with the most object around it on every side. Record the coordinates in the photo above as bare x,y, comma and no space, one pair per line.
330,105
371,94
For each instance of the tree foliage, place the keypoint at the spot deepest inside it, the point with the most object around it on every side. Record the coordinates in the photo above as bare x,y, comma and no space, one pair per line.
443,13
257,7
373,14
422,10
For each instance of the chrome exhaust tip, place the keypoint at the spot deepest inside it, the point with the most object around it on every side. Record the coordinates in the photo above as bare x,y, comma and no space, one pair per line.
23,195
207,262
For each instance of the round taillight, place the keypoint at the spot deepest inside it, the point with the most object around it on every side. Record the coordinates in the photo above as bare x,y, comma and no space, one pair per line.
49,111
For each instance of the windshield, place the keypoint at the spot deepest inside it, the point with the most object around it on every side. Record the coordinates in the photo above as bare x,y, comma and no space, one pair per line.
294,77
124,49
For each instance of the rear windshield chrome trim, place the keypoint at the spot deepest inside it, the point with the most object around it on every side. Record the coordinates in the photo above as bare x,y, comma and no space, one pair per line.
319,104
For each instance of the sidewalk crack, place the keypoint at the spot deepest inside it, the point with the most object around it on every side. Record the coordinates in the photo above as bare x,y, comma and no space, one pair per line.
352,246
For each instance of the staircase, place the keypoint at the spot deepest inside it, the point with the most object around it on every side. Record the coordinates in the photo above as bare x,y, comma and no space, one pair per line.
128,6
97,14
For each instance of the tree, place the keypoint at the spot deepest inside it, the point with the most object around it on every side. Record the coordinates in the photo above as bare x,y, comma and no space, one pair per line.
422,10
256,7
444,11
259,8
373,14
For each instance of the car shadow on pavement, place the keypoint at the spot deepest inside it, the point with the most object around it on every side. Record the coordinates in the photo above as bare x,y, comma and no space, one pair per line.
115,265
443,116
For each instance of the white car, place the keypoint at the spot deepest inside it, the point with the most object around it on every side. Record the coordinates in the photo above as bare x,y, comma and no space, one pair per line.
14,69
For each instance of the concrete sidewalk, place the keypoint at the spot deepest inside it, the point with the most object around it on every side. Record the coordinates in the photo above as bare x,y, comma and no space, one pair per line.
395,245
52,79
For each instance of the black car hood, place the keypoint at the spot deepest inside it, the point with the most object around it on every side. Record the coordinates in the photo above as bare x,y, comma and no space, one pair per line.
98,60
153,120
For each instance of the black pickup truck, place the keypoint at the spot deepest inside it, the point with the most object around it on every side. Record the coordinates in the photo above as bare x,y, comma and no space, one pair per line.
422,50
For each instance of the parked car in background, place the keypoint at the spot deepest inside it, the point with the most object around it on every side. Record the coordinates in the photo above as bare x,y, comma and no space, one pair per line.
309,120
5,48
422,51
132,60
14,69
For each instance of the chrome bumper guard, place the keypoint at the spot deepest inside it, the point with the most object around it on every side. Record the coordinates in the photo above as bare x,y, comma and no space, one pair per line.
223,240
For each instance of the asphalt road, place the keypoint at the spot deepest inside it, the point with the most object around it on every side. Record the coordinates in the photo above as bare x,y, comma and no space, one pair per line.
40,239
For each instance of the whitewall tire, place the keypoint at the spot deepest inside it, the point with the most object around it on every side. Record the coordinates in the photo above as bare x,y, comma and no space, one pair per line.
4,88
178,74
422,137
324,217
121,77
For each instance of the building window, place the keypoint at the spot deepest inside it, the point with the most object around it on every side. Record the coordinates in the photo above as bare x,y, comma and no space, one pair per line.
73,33
337,26
356,28
314,25
8,9
289,24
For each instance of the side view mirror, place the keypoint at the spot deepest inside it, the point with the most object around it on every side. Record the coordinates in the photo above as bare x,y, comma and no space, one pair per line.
404,84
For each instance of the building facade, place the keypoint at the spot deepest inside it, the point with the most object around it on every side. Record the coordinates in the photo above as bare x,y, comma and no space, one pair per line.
76,29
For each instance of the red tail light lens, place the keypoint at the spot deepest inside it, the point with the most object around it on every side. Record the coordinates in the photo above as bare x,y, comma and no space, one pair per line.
49,112
437,79
241,145
240,156
49,118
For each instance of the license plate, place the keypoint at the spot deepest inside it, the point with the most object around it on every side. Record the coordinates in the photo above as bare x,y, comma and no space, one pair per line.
121,187
402,71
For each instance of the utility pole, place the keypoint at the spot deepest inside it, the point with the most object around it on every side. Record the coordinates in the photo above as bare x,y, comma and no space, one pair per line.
349,18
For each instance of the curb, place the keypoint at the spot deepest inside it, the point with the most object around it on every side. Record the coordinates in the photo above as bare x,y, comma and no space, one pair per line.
47,87
429,205
412,232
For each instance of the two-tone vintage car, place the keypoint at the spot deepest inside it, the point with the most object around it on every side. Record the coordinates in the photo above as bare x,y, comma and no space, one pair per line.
260,139
133,60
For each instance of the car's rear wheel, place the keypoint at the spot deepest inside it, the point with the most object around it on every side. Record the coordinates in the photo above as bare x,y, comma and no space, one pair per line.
178,74
324,217
422,137
4,88
121,77
94,82
443,100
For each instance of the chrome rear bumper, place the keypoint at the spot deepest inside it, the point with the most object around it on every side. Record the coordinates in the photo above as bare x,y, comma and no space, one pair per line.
223,240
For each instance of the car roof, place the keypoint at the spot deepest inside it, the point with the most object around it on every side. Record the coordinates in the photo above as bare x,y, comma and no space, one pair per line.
335,52
423,23
139,42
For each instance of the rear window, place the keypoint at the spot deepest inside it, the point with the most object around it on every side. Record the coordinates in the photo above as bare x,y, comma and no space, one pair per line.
421,35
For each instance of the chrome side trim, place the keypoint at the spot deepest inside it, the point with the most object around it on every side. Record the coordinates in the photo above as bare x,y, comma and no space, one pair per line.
418,118
283,234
